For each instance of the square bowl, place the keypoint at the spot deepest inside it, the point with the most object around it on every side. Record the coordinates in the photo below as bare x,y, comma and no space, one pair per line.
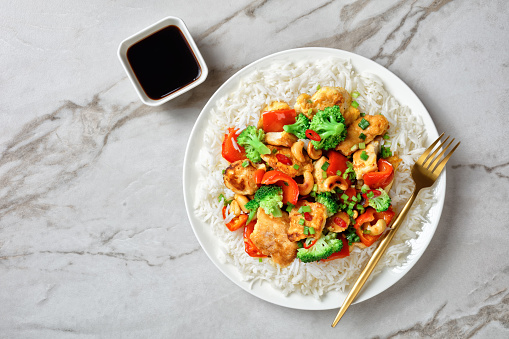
156,76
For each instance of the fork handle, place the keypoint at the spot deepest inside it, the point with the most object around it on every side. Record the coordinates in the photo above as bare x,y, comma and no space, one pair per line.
375,258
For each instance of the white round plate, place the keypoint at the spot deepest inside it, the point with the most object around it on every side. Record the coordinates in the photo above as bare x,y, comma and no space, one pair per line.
389,276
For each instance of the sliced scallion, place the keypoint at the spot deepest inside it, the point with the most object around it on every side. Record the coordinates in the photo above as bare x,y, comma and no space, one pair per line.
355,104
364,124
364,156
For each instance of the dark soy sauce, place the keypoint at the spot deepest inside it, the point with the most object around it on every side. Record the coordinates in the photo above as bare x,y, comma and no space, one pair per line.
163,62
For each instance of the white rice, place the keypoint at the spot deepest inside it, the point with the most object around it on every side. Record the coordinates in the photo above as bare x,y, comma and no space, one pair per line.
285,82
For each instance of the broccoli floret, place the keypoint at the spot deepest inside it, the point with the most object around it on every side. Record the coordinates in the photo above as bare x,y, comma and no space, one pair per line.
270,198
252,141
380,203
299,128
252,206
329,201
330,125
322,249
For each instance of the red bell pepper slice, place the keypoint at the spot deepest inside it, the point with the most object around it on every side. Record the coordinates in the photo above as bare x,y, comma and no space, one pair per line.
237,222
259,173
385,215
229,152
273,121
289,186
283,159
250,248
366,217
337,162
382,178
345,252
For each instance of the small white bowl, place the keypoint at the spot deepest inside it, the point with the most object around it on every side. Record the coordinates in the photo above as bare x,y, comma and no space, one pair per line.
127,43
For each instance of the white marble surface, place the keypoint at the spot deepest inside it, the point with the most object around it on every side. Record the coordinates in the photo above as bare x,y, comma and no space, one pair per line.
94,237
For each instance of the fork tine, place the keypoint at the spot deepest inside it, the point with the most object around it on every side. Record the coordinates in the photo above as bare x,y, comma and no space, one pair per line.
429,149
432,156
441,165
437,159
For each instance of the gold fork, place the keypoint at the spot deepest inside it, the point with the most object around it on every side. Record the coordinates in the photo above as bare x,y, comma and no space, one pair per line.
425,172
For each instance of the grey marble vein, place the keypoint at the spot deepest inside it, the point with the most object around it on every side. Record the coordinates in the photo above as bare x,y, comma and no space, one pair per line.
94,236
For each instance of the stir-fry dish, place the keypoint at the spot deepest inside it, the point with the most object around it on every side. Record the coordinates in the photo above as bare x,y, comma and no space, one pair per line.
310,182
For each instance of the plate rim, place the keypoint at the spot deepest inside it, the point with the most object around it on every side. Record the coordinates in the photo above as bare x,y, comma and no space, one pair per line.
438,205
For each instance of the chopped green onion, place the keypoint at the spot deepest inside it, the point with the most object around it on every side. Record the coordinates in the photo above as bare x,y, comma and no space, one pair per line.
351,205
359,197
315,187
260,260
289,207
299,244
364,156
221,196
362,145
313,194
386,152
366,231
324,175
370,194
224,171
274,151
353,148
245,163
301,222
310,111
325,166
296,166
349,212
310,101
338,172
355,104
355,94
362,136
311,230
363,115
318,87
386,136
344,197
303,209
354,198
364,123
360,208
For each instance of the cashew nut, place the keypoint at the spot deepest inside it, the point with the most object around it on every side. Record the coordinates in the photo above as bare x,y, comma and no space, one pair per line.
242,200
377,228
335,181
235,208
297,151
313,153
307,186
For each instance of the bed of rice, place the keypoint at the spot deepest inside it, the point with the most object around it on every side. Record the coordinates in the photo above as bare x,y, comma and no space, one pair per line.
285,82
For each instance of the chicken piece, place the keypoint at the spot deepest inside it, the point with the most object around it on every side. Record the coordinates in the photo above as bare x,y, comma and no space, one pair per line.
240,179
305,105
333,225
319,176
272,160
362,167
324,97
350,115
378,125
273,106
269,236
280,139
318,214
